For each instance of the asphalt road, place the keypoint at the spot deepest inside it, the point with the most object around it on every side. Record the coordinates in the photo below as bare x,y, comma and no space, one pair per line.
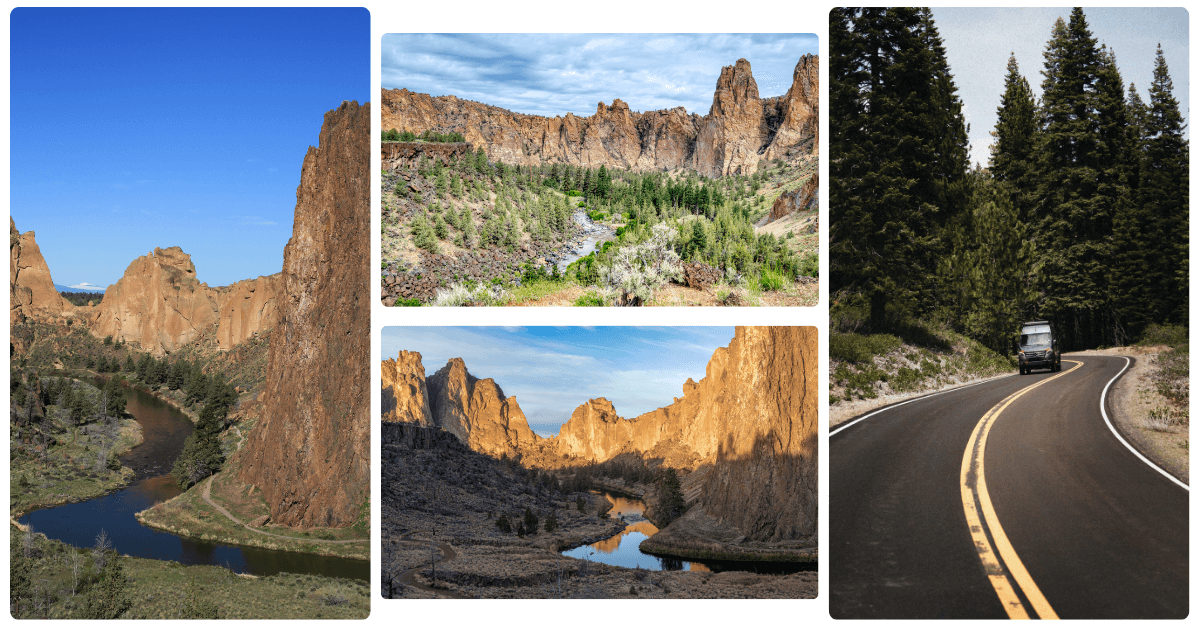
1004,499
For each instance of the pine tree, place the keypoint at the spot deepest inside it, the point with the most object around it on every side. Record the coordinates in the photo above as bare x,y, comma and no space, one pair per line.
1163,194
899,159
1013,153
108,597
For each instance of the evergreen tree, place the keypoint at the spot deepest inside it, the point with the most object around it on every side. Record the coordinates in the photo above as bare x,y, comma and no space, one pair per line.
114,398
202,454
1163,194
1013,151
531,522
899,159
108,597
1071,220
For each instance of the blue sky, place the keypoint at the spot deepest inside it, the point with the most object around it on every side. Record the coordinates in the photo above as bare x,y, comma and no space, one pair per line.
978,42
140,128
553,370
550,75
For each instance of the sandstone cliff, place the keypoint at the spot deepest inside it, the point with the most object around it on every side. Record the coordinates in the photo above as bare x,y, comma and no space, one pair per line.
30,288
310,452
396,154
739,130
160,305
474,410
405,398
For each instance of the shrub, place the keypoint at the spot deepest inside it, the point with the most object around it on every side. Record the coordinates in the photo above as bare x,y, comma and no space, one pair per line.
459,295
503,524
638,271
590,299
1169,334
854,348
771,281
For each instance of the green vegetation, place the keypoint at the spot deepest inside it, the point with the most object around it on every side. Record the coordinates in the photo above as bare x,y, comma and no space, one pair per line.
920,357
470,204
55,580
393,135
670,499
1079,218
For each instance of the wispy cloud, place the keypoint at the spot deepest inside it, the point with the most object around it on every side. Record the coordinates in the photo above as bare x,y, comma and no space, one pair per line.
553,74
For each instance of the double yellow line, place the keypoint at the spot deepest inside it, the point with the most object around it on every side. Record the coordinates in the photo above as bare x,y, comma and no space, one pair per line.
974,488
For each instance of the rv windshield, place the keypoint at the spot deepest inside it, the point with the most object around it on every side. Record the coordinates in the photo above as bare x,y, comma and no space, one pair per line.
1035,339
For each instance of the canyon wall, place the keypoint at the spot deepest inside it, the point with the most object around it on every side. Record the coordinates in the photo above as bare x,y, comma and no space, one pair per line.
31,290
160,305
396,154
475,410
739,130
310,452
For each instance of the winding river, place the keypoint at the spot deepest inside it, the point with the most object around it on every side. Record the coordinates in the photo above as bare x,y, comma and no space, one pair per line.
624,549
165,429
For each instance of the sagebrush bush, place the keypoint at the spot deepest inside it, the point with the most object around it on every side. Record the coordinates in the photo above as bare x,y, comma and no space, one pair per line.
637,272
459,295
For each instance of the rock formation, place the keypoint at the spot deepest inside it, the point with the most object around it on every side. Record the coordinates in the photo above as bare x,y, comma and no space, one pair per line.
795,200
798,112
160,305
310,452
752,420
740,129
405,397
31,290
395,154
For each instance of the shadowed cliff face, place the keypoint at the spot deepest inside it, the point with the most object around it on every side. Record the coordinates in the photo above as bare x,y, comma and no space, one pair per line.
752,419
310,452
31,289
739,130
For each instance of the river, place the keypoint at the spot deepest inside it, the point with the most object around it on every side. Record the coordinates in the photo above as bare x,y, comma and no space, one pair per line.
593,235
624,549
165,429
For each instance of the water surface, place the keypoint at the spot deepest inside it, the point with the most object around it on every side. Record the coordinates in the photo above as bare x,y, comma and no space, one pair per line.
165,429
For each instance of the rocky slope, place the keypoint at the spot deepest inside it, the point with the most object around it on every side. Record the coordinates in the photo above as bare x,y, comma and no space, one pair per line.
796,200
160,305
31,289
310,452
752,421
739,130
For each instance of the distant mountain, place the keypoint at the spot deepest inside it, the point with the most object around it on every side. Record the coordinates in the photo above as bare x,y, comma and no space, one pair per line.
90,290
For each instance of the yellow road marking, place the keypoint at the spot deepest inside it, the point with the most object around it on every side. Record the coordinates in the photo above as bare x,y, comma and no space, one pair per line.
973,485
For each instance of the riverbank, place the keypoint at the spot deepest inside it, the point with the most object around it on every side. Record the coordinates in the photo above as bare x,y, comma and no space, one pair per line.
223,510
72,464
698,536
169,590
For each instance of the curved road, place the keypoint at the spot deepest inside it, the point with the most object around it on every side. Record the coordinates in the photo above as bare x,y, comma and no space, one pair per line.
409,577
1006,499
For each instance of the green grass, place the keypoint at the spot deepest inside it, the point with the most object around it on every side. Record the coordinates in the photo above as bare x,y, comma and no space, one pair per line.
859,349
159,589
536,290
590,299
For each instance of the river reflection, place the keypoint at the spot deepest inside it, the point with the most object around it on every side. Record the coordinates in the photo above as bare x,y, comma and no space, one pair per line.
165,429
623,549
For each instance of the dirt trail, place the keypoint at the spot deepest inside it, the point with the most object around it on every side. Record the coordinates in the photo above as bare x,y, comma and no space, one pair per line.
207,491
408,577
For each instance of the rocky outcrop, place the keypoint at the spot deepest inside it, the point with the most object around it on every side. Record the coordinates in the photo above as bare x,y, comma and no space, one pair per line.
795,200
740,129
310,452
394,155
405,397
475,410
798,112
31,289
160,305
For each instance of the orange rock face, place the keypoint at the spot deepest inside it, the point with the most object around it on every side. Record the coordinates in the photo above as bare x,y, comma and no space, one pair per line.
739,130
31,289
159,305
405,397
310,452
